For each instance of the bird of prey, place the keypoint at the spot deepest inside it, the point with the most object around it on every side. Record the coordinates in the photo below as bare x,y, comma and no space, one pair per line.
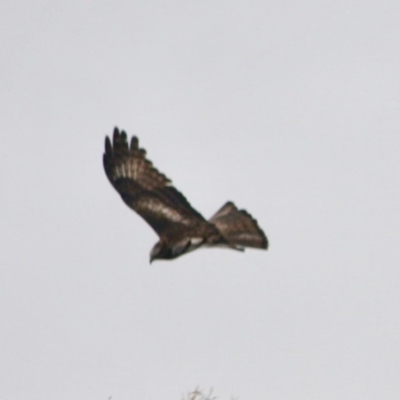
179,226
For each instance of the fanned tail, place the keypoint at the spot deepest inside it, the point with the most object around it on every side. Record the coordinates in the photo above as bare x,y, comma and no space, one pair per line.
238,227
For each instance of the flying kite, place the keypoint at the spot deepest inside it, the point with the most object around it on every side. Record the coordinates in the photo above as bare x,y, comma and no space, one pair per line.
179,226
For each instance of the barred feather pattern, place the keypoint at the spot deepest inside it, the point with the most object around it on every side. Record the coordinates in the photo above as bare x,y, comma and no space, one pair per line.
123,161
144,189
239,227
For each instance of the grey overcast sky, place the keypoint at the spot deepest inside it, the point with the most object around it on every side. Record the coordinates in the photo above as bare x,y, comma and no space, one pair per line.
289,108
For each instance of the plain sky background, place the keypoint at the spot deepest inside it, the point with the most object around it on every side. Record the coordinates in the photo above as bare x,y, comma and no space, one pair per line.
289,108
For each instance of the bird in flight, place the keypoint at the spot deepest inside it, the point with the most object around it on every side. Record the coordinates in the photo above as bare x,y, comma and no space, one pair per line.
179,226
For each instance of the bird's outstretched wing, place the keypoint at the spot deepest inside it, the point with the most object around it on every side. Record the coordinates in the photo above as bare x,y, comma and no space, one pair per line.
146,190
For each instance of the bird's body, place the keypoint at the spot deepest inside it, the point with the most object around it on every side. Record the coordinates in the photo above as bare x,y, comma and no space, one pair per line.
180,227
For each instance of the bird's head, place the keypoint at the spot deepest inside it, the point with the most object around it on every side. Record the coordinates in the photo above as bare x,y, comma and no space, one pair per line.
164,251
161,251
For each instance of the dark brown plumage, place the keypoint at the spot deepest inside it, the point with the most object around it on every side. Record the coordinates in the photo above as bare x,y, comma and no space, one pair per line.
180,227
